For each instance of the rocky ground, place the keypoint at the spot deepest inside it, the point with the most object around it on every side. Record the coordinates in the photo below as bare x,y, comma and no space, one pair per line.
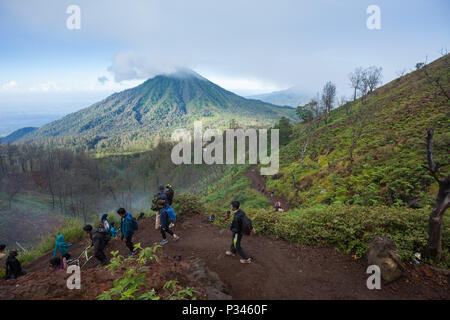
280,270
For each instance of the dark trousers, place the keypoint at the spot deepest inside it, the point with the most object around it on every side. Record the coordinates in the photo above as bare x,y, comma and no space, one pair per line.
129,243
236,246
99,246
67,256
164,230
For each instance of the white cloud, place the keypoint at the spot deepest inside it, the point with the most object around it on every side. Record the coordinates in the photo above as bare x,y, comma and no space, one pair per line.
11,85
127,65
241,85
45,87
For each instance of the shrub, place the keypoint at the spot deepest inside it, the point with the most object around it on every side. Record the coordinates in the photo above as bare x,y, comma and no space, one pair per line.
187,204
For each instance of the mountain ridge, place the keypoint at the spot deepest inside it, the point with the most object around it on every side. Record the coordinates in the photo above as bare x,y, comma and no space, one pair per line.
291,97
160,104
17,135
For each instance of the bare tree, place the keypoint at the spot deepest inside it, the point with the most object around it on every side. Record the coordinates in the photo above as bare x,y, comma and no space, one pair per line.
401,73
356,80
12,184
373,77
434,250
327,99
439,77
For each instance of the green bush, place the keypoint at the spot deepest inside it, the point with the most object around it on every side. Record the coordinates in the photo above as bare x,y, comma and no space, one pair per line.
186,203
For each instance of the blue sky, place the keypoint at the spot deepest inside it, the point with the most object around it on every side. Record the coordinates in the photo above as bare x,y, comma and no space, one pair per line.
248,47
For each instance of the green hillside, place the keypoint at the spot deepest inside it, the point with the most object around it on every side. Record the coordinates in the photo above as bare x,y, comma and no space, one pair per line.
383,191
389,131
159,105
16,135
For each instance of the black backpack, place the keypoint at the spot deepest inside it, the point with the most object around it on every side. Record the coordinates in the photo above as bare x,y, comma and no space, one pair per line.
247,225
135,223
156,197
154,205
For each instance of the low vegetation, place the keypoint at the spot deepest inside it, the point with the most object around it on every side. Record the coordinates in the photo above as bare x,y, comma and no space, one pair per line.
72,229
132,284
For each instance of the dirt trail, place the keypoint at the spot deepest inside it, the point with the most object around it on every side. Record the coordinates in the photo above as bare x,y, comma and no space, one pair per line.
280,270
257,179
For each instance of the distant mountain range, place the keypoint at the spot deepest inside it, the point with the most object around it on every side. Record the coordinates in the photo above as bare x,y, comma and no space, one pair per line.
17,135
292,97
160,104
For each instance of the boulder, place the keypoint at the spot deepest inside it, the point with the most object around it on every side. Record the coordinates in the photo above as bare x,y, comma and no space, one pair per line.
383,253
200,273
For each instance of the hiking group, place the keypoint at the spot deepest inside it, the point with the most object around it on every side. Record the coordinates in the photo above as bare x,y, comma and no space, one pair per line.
165,219
101,235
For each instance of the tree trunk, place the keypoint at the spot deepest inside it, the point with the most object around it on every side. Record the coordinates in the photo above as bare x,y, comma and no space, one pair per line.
435,221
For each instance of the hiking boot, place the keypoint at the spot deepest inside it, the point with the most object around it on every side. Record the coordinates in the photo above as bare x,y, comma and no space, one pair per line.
248,261
176,239
230,254
165,241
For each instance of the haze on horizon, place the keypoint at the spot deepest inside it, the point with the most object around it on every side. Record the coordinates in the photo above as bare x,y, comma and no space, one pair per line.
250,47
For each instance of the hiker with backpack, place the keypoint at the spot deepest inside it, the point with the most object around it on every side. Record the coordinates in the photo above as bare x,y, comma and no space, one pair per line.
99,238
63,248
240,225
13,266
128,225
160,195
166,216
169,193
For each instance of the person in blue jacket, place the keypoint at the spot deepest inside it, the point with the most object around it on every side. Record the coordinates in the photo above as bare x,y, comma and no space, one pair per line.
62,247
127,229
165,221
113,231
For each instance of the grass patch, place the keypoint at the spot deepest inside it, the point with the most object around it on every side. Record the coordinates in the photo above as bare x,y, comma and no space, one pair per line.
72,229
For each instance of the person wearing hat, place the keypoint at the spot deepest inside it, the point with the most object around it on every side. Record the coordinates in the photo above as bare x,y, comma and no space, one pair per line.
169,193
